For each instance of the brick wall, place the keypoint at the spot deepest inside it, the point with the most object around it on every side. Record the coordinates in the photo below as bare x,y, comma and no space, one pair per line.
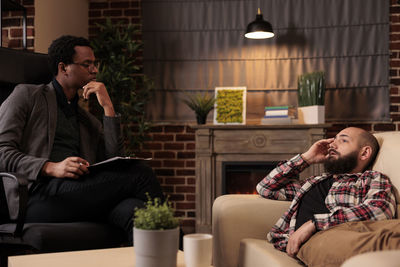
122,11
12,26
172,148
126,11
394,65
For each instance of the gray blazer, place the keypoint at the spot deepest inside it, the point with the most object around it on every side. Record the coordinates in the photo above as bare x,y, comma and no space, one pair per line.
28,119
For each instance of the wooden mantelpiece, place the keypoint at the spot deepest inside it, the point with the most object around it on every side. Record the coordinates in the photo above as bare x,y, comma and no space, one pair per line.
216,144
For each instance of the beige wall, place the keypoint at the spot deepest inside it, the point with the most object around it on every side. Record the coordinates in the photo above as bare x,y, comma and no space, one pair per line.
54,18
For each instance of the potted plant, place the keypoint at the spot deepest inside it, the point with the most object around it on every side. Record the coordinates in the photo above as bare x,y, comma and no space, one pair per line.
116,48
201,104
156,234
311,96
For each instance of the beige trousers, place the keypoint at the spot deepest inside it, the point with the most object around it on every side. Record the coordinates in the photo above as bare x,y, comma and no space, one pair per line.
333,246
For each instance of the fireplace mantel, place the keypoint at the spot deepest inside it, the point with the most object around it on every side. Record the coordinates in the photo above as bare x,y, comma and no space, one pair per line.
216,144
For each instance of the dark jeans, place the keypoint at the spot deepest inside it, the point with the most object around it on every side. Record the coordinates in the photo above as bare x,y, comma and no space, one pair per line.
109,195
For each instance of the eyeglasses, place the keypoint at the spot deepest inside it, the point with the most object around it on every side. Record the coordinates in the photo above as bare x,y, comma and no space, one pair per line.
89,65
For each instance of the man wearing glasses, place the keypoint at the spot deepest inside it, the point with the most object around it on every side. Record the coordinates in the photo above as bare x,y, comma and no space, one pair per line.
47,137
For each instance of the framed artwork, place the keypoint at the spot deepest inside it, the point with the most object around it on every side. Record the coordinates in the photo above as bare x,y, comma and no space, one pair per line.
230,105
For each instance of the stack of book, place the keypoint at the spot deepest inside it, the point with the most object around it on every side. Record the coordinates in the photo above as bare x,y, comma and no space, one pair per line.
276,115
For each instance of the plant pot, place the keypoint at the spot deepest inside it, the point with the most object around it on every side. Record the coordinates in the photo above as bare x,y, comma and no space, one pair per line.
201,119
155,248
311,114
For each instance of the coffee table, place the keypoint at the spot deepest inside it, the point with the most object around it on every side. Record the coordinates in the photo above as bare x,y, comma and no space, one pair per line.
116,257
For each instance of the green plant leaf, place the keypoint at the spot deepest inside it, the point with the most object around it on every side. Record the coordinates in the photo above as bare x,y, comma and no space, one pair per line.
156,215
116,47
201,104
311,89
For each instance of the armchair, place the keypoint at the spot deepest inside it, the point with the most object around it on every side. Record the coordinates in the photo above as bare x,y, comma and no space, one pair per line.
241,222
16,237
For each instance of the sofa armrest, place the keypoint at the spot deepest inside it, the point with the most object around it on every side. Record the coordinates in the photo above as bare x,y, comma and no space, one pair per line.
387,258
236,217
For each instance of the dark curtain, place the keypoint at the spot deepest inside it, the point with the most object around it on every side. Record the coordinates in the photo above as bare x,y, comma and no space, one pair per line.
197,45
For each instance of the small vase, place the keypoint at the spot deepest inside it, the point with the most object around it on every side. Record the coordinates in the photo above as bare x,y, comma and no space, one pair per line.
201,119
155,248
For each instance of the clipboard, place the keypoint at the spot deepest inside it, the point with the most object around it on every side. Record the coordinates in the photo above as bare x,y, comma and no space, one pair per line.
115,160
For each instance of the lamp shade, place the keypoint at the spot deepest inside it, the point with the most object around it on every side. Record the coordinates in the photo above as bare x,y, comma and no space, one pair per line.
259,29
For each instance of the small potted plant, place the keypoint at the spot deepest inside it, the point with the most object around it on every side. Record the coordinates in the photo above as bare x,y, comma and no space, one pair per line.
311,96
201,104
156,234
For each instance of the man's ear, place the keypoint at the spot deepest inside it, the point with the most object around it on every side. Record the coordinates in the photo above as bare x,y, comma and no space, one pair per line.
61,67
365,153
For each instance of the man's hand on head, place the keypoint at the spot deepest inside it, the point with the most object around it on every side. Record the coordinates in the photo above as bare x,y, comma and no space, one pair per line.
71,167
318,152
103,98
299,237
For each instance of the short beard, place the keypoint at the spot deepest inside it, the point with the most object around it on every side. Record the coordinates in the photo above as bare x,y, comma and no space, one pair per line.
344,164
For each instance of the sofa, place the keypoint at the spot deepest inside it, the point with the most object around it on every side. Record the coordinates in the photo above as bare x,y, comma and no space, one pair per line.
240,223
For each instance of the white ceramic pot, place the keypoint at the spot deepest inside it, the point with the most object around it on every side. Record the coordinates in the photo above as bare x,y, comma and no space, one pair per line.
155,248
311,114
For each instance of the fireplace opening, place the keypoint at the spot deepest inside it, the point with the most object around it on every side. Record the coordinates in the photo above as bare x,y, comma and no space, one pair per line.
243,177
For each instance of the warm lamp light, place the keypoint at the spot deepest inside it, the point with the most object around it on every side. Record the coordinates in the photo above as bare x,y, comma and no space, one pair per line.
259,29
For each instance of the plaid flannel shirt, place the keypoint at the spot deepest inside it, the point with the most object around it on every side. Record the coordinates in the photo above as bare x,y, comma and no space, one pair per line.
352,197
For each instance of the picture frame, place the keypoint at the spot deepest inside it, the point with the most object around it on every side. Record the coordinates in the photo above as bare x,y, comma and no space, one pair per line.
230,105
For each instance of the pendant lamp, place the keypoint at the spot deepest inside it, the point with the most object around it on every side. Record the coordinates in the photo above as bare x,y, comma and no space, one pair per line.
259,29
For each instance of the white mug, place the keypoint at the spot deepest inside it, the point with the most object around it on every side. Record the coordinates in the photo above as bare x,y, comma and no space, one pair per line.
197,249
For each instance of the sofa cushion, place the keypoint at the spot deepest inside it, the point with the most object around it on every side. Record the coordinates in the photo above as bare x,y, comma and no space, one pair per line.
241,216
333,246
387,160
260,253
